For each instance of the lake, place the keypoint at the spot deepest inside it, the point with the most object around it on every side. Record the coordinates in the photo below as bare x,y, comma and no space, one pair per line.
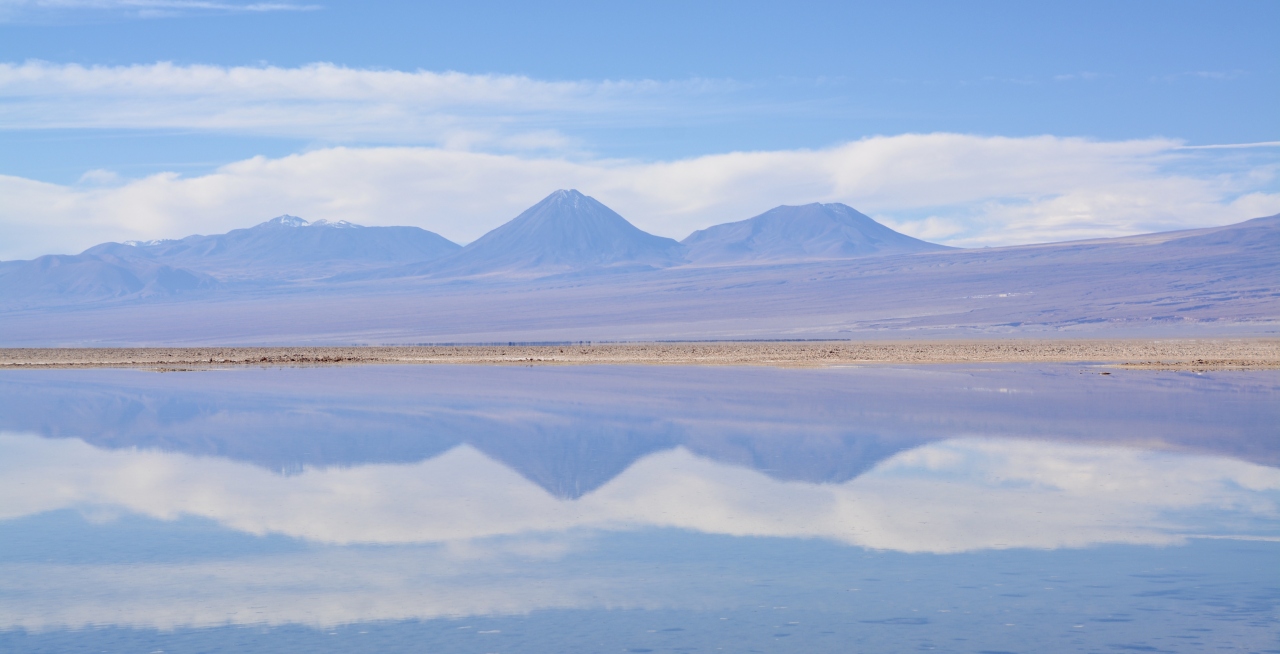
994,508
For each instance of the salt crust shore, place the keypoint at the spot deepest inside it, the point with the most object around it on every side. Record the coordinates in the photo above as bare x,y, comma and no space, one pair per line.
1156,354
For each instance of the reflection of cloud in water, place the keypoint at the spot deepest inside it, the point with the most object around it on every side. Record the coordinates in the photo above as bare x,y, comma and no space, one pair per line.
325,587
956,495
461,534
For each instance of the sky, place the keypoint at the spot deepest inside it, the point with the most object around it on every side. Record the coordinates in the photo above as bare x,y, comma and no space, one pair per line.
970,124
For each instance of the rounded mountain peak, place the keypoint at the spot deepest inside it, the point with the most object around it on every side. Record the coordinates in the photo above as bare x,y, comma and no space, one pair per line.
797,233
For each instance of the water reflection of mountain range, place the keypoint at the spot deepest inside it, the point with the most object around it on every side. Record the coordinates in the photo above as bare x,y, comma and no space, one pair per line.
570,430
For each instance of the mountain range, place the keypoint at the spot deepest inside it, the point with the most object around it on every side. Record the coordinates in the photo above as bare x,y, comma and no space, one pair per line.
570,268
565,232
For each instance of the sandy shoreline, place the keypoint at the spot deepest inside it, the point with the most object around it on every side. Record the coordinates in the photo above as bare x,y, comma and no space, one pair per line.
1162,354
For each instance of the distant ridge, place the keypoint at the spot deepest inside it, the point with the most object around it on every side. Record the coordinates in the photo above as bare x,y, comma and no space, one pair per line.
288,247
285,248
1256,234
808,232
69,278
565,231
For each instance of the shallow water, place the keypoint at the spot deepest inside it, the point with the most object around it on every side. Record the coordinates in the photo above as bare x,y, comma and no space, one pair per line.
614,509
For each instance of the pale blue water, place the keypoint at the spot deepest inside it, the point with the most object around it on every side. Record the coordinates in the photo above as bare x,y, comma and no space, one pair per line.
639,509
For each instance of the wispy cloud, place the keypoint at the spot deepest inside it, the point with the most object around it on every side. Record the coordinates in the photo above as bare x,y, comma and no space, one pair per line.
1082,76
1217,75
1233,146
329,102
957,189
17,9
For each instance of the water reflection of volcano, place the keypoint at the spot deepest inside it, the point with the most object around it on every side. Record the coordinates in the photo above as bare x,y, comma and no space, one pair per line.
570,430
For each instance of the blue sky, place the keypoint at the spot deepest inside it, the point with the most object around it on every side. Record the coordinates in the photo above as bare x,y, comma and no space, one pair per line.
103,102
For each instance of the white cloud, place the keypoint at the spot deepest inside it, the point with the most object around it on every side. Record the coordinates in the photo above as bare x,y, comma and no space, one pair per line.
959,189
100,176
326,102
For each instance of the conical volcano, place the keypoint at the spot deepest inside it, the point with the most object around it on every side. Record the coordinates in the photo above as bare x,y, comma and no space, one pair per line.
811,231
565,231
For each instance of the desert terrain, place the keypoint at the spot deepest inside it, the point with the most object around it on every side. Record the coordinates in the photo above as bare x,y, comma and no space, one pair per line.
1160,354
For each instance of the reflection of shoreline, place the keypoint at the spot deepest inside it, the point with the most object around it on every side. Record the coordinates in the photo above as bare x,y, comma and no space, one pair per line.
1163,354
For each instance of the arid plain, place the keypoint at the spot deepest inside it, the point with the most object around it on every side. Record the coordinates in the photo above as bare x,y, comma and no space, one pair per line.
1163,354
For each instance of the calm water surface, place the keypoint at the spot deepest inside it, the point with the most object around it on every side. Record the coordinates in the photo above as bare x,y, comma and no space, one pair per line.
639,509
